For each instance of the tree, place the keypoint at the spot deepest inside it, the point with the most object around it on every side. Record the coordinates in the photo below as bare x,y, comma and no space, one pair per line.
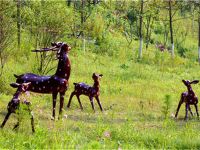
140,28
6,31
45,28
171,28
18,3
150,15
131,23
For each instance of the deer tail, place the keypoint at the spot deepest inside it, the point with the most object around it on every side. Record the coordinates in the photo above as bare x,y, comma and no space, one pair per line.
16,76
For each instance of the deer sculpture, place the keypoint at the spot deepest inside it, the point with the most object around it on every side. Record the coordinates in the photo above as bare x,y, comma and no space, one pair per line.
15,103
90,91
189,98
57,83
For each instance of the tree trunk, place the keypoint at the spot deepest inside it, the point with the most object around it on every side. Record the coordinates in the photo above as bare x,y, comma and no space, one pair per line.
148,31
193,18
18,24
82,11
140,28
82,21
171,28
69,3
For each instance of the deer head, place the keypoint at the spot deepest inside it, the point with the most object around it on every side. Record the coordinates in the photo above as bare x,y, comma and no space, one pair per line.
188,83
62,48
21,87
96,77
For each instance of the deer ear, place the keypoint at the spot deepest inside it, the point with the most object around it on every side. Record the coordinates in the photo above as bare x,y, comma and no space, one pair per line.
15,85
101,75
53,44
194,82
27,84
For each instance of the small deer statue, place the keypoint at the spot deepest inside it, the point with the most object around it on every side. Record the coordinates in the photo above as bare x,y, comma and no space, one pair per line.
90,91
15,102
189,98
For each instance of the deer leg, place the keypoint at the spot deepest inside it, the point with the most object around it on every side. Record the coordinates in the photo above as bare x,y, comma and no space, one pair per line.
54,95
32,123
62,94
78,97
190,110
98,101
5,120
196,107
32,119
92,102
186,110
70,99
177,110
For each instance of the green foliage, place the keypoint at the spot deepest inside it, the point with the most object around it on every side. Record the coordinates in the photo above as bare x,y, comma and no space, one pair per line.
94,28
106,45
166,107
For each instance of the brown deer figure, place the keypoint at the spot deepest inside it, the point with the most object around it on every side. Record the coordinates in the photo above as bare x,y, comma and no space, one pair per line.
15,103
57,83
90,91
189,98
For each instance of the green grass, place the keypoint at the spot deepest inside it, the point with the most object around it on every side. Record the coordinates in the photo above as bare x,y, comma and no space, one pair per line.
132,93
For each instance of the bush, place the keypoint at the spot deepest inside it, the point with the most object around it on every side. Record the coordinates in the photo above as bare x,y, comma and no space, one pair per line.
166,107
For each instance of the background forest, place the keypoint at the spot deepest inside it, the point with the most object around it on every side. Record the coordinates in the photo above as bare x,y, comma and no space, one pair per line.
143,48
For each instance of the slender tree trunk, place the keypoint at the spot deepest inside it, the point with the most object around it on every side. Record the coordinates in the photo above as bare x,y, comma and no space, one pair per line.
140,28
82,11
69,3
18,24
193,19
82,21
171,28
148,31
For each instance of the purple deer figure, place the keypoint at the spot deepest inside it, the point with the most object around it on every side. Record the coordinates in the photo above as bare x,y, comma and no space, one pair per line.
57,83
15,103
189,98
90,91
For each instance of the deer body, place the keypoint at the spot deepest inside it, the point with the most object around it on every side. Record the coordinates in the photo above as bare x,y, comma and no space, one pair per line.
15,103
57,83
44,84
90,91
189,98
82,88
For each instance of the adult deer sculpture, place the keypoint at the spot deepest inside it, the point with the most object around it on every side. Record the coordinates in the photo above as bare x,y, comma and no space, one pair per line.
57,83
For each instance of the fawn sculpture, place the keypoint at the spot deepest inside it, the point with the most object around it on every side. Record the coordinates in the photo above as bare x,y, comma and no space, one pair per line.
189,98
57,83
15,103
90,91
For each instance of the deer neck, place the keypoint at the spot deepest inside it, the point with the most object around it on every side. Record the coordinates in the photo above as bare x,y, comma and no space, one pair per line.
64,67
17,94
190,91
96,85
